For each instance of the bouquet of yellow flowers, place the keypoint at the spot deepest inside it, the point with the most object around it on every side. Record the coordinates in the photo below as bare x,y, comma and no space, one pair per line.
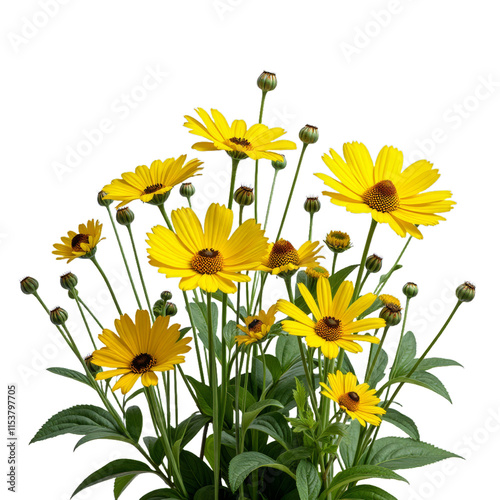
281,408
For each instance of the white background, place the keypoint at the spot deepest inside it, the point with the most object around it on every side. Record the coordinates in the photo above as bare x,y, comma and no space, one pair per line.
405,73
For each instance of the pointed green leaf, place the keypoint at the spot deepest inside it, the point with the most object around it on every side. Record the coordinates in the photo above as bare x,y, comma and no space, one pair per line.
121,484
195,472
367,492
72,374
406,424
287,350
379,369
161,494
133,422
308,481
275,425
254,410
93,436
430,363
349,444
407,353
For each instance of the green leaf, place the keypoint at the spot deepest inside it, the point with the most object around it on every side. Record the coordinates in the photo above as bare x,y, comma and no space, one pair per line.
430,363
275,425
359,473
340,276
422,379
134,394
335,429
190,427
273,367
117,468
121,483
289,457
404,453
161,494
300,395
183,331
229,332
349,444
406,424
308,481
66,372
133,422
80,420
287,350
155,448
204,396
385,277
374,307
379,370
301,278
407,353
245,463
93,436
367,492
254,410
195,472
208,492
200,320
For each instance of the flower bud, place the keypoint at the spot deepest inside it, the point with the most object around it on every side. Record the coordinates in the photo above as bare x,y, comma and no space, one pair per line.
244,196
410,290
267,81
338,242
279,165
317,272
58,316
29,285
373,263
125,216
68,281
158,307
312,205
73,293
171,309
187,190
309,134
93,369
166,295
466,292
392,314
102,201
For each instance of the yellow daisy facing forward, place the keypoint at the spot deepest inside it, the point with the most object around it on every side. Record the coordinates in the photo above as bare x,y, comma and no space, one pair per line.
333,326
207,258
358,401
282,257
238,141
81,245
257,327
151,184
391,195
139,350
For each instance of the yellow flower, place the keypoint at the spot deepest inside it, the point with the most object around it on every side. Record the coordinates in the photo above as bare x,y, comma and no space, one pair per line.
208,258
80,245
358,401
333,326
237,141
317,272
338,242
389,299
389,194
282,256
149,184
257,327
139,350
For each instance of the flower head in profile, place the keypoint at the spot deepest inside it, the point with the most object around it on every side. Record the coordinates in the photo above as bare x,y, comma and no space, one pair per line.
358,401
387,299
282,257
139,350
151,184
81,245
207,257
257,142
333,326
384,190
338,242
257,327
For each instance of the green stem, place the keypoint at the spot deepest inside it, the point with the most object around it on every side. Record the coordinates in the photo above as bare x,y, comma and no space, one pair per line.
124,258
91,313
94,260
310,226
291,191
77,300
380,286
377,354
363,259
400,337
165,216
270,197
335,255
195,335
240,218
264,368
364,280
129,227
264,93
234,168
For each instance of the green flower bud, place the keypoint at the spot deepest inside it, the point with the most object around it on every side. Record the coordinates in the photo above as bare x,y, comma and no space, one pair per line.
68,281
309,134
312,205
466,292
29,285
279,165
125,216
373,263
338,242
267,81
73,293
392,314
171,309
244,196
187,190
166,295
410,290
58,316
158,307
102,201
93,369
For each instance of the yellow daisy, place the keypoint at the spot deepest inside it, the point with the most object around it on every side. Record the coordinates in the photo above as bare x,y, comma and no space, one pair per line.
358,401
333,326
237,141
317,272
389,299
80,245
384,190
282,256
208,258
151,184
257,327
139,350
338,242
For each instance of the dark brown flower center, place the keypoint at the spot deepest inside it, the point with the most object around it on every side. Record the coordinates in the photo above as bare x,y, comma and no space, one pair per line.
240,141
328,329
153,188
255,325
207,261
283,253
382,197
78,240
142,363
349,401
